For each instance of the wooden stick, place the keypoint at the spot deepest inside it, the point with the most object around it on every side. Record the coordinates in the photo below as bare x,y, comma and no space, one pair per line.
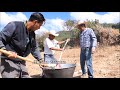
62,51
23,58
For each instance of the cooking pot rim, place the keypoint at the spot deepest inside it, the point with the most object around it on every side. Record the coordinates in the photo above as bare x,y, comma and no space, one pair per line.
49,68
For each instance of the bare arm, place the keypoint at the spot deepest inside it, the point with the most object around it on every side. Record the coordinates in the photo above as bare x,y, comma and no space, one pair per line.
57,49
61,42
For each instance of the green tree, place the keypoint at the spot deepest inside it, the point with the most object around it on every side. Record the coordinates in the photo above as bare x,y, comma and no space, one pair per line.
70,24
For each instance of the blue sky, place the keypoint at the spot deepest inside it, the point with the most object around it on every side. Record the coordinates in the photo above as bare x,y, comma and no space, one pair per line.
55,20
62,15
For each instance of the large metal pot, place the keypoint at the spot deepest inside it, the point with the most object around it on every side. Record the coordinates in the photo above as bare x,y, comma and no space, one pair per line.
66,71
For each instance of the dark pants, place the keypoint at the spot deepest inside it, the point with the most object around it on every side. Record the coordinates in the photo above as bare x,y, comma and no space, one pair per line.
13,69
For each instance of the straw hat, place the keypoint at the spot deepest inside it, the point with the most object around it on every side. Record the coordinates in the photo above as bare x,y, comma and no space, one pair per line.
52,32
79,23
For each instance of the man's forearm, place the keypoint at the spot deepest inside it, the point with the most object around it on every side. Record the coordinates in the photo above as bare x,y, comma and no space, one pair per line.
2,46
57,49
36,54
61,42
94,42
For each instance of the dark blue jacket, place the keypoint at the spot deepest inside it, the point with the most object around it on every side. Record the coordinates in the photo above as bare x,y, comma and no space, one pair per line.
15,37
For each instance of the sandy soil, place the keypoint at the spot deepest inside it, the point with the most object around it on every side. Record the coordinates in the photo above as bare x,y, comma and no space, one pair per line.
106,62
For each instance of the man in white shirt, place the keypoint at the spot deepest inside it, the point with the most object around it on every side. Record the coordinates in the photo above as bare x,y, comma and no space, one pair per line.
50,46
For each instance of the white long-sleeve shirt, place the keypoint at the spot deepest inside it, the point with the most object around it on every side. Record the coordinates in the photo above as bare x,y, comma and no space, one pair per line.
49,44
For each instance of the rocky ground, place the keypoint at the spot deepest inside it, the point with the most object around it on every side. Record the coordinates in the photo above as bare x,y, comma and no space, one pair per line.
106,62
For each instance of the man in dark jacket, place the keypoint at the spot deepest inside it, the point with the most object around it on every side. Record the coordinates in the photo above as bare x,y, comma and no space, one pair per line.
18,38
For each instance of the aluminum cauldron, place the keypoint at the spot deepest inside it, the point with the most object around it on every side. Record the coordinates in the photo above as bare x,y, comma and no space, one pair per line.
66,71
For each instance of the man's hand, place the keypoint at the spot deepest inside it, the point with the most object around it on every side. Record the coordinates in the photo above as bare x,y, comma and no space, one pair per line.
68,40
93,50
61,49
12,55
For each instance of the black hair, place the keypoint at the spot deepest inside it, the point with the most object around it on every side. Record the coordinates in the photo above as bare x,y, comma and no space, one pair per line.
37,16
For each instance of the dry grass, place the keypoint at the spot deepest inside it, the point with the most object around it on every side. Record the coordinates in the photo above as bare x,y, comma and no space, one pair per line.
106,61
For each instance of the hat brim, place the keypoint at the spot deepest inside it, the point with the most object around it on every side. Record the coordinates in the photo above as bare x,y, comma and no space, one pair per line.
79,25
54,34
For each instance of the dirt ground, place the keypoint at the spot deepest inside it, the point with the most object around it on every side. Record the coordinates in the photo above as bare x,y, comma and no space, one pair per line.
106,62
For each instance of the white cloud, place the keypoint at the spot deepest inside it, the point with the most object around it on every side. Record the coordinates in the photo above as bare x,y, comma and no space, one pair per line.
110,17
54,24
42,31
6,18
51,24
